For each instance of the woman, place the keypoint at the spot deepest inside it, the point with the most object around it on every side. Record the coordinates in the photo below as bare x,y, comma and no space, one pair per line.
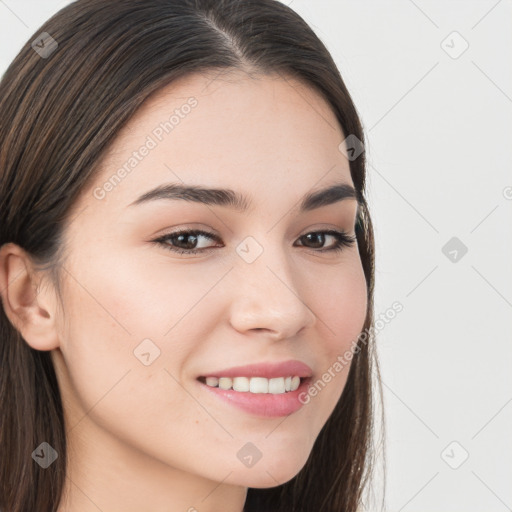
186,265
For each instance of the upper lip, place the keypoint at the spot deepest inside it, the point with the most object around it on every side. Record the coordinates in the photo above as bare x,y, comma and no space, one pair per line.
269,370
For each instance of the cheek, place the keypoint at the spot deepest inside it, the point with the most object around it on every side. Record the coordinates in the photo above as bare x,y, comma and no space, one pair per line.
340,299
106,384
139,297
121,314
340,303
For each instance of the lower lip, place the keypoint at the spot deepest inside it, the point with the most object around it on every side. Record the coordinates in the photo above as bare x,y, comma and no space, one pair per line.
263,404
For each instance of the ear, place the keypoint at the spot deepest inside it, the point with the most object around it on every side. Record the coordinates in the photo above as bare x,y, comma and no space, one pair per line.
30,307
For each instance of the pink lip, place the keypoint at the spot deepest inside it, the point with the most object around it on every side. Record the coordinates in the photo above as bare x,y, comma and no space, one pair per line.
263,404
267,370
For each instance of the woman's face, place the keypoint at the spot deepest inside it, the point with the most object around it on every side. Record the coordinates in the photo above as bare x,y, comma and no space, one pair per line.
142,322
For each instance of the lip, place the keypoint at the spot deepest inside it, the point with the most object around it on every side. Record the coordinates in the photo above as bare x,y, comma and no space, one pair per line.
261,404
268,370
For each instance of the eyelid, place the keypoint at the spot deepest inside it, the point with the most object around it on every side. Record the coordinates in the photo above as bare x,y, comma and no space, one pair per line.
192,231
342,240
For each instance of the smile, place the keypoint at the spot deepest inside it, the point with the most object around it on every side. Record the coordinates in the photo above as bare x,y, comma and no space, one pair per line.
275,386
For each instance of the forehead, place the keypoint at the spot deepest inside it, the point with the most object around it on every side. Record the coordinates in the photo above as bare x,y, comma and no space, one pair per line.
268,136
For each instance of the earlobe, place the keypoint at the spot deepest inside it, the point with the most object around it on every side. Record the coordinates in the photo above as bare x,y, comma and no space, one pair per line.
28,306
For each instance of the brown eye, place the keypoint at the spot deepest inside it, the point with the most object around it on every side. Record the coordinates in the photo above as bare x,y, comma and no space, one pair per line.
318,238
186,242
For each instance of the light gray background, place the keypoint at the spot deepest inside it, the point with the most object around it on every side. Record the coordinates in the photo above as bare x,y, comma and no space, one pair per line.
439,132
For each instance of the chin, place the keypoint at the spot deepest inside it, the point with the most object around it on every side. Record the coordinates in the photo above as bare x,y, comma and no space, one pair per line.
270,473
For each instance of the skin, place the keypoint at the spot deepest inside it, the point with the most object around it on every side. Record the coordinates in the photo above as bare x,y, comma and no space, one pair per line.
151,437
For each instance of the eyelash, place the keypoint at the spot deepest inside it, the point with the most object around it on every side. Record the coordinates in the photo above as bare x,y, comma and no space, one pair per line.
343,239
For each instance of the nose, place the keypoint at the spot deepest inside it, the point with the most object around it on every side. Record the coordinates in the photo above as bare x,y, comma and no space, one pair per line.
268,298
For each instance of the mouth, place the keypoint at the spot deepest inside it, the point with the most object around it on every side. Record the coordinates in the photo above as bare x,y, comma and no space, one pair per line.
264,389
256,385
261,401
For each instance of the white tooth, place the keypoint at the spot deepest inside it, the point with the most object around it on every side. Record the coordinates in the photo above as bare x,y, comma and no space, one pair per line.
225,383
212,381
241,384
276,385
295,383
258,385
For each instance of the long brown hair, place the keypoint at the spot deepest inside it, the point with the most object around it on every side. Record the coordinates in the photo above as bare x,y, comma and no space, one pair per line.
59,113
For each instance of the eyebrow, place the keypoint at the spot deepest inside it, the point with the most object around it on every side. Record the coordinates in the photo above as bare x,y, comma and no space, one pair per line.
236,201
